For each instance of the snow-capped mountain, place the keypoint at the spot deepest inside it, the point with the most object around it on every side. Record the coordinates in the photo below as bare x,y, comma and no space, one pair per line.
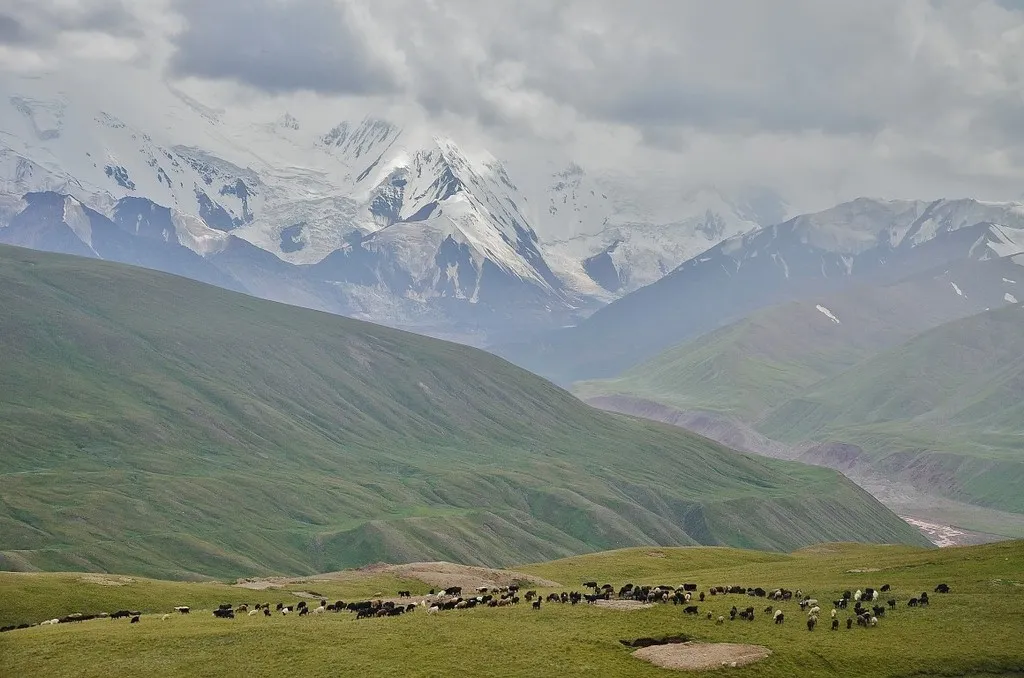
623,256
380,222
863,241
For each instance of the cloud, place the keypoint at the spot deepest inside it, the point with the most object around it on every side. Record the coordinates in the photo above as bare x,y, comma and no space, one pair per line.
43,22
278,46
826,99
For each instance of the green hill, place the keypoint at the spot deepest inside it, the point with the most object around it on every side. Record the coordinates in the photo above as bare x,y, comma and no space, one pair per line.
946,406
972,631
745,369
151,424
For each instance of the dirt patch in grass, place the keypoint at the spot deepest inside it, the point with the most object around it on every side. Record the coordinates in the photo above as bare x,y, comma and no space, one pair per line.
106,580
437,574
701,656
623,604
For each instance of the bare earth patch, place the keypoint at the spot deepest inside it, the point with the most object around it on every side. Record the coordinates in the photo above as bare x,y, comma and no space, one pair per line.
623,604
106,580
702,656
437,574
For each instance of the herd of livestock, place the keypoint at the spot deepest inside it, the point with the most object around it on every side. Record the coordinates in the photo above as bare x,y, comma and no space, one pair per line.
863,607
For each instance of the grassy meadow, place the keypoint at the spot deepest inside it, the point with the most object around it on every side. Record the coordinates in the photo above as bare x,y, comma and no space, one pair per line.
974,630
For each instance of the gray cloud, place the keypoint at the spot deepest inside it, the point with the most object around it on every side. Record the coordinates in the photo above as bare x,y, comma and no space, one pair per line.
278,46
43,22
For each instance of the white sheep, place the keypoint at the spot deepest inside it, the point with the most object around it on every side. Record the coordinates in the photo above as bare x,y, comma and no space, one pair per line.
320,610
813,612
434,609
165,617
721,620
49,621
874,621
858,595
834,612
874,595
253,612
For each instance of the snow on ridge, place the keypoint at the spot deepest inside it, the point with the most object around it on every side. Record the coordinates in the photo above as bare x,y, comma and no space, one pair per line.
1008,281
193,233
956,289
828,314
78,221
1009,298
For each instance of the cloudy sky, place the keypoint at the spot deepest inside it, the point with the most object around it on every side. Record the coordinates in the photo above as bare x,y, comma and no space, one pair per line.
822,100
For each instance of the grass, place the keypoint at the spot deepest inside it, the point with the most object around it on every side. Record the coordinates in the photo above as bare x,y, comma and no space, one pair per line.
158,426
973,630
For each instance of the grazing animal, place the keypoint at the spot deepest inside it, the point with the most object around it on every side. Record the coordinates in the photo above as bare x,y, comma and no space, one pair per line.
912,602
892,603
690,609
165,617
849,622
135,620
182,609
835,624
590,585
266,612
885,588
47,622
778,617
874,621
320,610
224,613
721,620
924,598
536,604
811,622
942,588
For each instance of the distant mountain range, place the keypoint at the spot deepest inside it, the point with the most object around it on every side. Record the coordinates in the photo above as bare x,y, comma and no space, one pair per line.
866,241
364,218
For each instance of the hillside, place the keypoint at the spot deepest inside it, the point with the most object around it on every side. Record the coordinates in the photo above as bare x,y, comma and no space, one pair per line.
945,405
972,631
748,367
152,424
